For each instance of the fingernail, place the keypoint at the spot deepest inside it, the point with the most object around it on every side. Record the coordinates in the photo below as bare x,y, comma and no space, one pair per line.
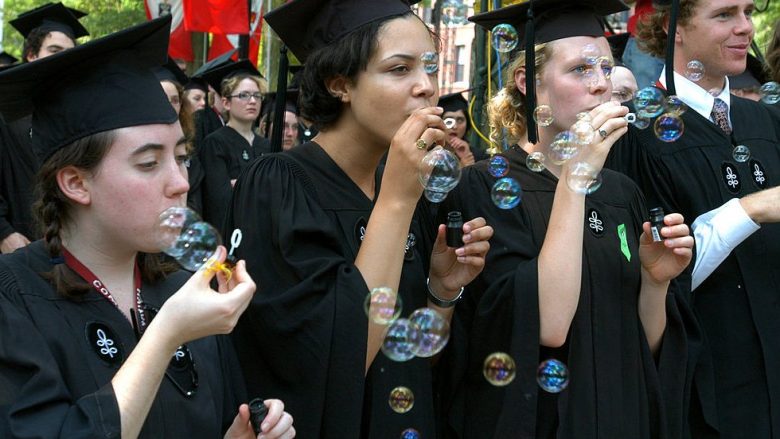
460,252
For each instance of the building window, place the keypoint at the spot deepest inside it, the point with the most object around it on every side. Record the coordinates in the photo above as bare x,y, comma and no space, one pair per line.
460,69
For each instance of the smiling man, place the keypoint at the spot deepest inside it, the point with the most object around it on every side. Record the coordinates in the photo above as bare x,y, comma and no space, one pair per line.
723,172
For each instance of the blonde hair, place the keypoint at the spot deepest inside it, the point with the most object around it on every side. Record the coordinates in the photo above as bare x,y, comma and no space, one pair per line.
230,84
506,110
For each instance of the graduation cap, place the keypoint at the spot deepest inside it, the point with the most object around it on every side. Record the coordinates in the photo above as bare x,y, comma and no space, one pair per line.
290,104
307,25
171,72
454,102
618,44
6,59
754,75
197,84
543,21
224,59
99,86
51,17
215,76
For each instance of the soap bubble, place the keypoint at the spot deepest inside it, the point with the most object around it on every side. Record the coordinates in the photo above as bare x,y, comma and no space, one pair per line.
434,330
649,102
499,369
583,132
171,223
583,178
675,105
504,38
506,193
668,127
410,433
401,399
535,161
694,70
590,53
430,62
383,305
741,153
641,123
434,196
454,13
401,340
440,170
498,166
770,93
543,115
563,147
552,376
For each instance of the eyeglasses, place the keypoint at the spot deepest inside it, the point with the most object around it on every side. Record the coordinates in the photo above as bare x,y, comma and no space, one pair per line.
245,96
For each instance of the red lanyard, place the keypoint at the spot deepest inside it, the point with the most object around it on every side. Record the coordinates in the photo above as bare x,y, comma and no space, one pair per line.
93,280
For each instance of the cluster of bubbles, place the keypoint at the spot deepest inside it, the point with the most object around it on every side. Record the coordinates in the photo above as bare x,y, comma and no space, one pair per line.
770,93
383,305
499,369
454,13
401,399
552,376
439,173
184,236
506,192
430,62
505,38
424,334
650,103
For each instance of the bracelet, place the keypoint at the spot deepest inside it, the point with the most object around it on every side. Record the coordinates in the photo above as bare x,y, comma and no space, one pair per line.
442,303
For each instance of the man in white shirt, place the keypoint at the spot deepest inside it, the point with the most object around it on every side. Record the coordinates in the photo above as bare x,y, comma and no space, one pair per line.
722,175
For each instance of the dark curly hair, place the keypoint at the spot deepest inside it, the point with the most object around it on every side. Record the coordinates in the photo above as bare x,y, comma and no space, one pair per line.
33,42
651,36
345,57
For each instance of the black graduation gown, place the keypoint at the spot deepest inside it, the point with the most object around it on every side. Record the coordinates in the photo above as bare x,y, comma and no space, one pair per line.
738,304
223,155
614,388
206,121
18,166
304,335
54,381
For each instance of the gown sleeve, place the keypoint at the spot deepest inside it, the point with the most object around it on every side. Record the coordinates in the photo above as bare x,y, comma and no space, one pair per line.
499,313
34,400
215,186
303,337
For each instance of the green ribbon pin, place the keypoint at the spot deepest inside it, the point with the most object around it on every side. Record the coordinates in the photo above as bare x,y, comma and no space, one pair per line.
621,229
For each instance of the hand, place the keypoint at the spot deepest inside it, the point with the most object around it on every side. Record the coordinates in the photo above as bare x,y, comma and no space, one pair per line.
277,424
607,117
400,178
12,242
453,268
197,311
762,207
462,150
663,261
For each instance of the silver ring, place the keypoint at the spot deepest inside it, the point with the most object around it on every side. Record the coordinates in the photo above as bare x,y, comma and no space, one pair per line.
603,133
421,144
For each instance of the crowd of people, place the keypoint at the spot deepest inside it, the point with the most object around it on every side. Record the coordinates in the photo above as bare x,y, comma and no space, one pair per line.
597,272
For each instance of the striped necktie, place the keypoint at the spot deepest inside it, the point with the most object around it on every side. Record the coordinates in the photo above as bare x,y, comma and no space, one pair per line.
720,115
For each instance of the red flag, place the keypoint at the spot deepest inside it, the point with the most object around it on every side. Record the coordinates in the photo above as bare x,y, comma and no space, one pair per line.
216,16
221,43
181,41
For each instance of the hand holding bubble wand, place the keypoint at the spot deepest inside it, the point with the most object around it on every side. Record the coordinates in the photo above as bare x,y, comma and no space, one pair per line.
184,236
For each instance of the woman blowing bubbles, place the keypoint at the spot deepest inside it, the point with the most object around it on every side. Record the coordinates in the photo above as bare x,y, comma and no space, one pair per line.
569,277
323,226
112,158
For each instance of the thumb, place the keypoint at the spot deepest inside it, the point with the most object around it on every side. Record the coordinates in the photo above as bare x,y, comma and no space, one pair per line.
208,269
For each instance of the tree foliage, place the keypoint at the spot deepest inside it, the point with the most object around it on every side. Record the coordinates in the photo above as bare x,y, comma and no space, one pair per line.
105,17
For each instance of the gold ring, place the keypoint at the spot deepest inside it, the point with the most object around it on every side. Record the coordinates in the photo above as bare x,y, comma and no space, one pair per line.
421,144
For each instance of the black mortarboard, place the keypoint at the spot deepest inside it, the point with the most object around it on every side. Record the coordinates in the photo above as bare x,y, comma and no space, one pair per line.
214,77
219,61
51,17
170,71
307,25
618,44
6,59
454,102
754,75
197,84
291,101
542,21
99,86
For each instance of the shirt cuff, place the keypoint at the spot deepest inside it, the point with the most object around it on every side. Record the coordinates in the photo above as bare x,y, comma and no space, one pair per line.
732,224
